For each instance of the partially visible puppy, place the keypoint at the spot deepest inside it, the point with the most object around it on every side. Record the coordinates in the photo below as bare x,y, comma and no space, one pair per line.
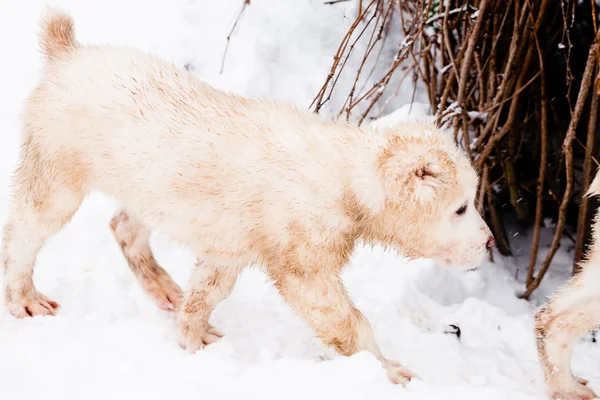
240,181
573,311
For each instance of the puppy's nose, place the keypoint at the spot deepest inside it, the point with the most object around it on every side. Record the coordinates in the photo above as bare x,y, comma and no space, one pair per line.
490,242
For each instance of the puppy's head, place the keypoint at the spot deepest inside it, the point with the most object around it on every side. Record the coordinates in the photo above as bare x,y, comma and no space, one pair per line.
430,189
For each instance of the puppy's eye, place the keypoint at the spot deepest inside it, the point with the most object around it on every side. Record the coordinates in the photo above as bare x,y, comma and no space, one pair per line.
461,210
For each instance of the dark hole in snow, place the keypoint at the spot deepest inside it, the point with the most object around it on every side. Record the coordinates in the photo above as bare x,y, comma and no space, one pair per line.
189,67
453,330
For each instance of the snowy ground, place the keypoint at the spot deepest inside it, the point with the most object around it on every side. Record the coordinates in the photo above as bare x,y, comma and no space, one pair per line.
109,341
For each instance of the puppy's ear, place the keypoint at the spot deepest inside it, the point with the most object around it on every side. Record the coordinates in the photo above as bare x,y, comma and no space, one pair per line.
425,180
416,169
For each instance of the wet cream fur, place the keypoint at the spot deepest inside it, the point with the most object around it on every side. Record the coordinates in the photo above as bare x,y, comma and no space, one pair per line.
239,181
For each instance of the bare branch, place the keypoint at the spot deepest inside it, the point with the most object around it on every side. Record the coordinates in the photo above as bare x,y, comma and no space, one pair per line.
235,24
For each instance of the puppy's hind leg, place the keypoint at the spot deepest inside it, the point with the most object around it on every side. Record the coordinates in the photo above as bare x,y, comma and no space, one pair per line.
560,324
134,239
48,190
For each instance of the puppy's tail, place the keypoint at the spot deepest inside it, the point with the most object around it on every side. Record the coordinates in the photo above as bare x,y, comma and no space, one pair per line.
594,189
57,36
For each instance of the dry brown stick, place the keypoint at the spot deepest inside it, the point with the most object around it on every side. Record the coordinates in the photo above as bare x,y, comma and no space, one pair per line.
417,62
454,60
509,79
543,164
482,91
593,3
237,20
402,21
567,35
379,53
497,35
525,67
318,100
491,81
512,96
396,91
464,74
429,76
444,60
349,53
483,186
453,11
420,45
496,226
454,76
521,126
508,125
450,80
482,87
376,87
465,136
596,162
370,46
516,44
492,126
567,149
433,73
587,175
364,59
380,86
511,178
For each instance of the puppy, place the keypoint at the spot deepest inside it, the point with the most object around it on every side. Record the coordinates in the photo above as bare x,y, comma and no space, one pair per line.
239,181
574,310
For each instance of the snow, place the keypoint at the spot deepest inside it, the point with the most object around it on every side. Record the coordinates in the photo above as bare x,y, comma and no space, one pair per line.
110,341
408,112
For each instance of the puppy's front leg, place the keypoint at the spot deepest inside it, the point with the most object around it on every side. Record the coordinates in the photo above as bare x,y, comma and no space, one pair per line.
559,324
320,298
210,284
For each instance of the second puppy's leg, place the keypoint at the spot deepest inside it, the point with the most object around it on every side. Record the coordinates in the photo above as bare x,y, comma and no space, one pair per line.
134,239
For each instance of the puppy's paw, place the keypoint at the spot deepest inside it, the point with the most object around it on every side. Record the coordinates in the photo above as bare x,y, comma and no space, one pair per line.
576,390
397,373
165,293
194,334
31,305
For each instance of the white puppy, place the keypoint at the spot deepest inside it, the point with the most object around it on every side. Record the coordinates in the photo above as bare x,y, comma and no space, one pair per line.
239,181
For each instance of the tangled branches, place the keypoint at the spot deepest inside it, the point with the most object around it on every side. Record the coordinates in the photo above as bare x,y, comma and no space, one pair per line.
513,80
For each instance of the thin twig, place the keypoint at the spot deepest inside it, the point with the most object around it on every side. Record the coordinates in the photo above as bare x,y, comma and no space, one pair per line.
543,164
586,178
237,20
319,101
586,82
